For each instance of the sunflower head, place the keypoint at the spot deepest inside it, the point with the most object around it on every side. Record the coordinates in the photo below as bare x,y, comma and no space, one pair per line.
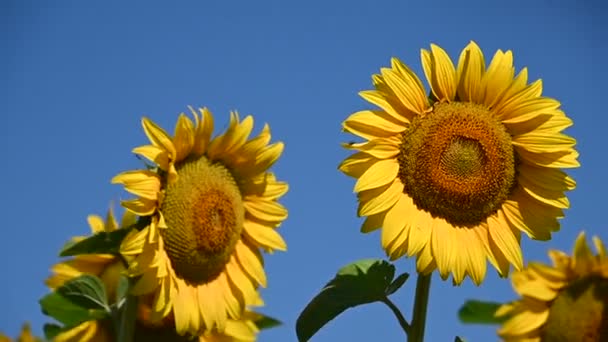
212,205
454,178
564,302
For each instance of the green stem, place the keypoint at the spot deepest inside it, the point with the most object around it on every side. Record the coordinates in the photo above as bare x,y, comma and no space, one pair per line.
423,287
127,321
404,324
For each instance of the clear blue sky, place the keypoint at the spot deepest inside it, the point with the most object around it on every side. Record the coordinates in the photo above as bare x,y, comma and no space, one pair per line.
76,77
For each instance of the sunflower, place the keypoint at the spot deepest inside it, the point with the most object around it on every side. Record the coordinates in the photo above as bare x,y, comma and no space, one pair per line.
105,266
454,178
212,205
566,302
25,335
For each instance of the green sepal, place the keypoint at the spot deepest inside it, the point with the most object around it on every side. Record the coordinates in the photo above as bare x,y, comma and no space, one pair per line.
480,312
266,322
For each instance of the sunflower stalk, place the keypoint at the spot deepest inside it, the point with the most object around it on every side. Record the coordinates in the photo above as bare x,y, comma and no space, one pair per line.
127,320
423,287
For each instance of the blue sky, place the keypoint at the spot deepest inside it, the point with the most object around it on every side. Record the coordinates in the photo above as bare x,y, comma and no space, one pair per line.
78,76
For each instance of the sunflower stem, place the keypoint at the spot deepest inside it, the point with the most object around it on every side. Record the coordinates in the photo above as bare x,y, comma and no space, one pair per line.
402,321
127,321
423,287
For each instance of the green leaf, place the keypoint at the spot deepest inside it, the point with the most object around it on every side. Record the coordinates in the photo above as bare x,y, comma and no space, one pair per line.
459,339
266,322
51,330
100,243
87,291
480,312
78,300
361,282
397,283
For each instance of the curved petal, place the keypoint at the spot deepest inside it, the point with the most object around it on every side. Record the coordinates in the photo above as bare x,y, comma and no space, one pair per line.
471,67
440,72
378,174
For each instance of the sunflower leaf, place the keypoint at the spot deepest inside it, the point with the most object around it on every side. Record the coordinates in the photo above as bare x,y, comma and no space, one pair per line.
480,312
78,300
100,243
51,330
87,291
266,322
397,283
364,281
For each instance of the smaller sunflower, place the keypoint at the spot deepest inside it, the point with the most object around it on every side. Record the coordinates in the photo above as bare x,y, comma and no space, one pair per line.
212,205
25,336
565,302
105,266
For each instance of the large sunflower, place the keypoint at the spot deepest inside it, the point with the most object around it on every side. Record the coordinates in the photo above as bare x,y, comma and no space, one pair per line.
105,266
455,178
212,205
566,302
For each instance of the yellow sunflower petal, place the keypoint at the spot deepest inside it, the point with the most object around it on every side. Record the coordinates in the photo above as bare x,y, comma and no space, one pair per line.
546,178
96,223
155,154
185,308
158,137
264,235
211,305
143,183
379,148
524,322
497,77
532,288
407,86
476,256
583,259
559,160
241,281
599,247
357,164
266,210
440,72
513,97
184,137
371,125
203,131
425,262
394,224
140,206
378,174
373,222
470,70
419,231
502,237
379,199
250,261
442,246
540,142
389,104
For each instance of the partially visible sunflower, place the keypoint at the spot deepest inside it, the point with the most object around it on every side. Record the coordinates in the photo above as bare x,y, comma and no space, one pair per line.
212,205
105,266
564,302
25,336
454,178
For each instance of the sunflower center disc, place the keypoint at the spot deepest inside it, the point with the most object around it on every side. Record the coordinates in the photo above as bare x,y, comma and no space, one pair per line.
579,313
204,213
457,163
